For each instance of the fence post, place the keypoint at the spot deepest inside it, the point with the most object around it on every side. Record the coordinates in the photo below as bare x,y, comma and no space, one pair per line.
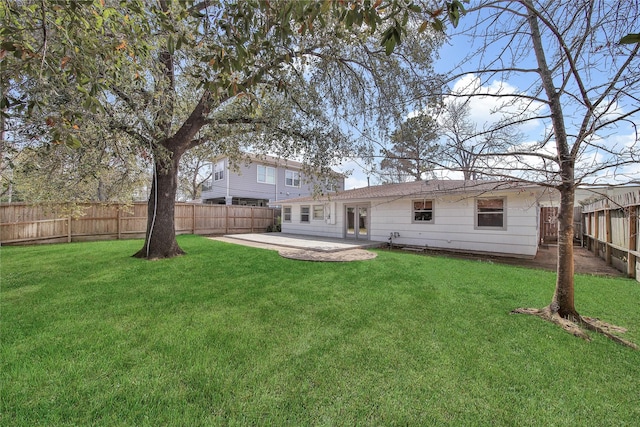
596,232
633,241
119,216
226,219
193,218
252,209
608,237
69,229
590,232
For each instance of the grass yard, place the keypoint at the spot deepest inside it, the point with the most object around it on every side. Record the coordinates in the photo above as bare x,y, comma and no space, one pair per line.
231,335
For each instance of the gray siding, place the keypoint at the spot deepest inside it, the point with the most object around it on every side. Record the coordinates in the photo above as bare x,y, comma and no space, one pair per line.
214,189
244,184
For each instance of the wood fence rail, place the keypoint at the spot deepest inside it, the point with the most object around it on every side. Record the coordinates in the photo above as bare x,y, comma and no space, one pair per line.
611,231
22,223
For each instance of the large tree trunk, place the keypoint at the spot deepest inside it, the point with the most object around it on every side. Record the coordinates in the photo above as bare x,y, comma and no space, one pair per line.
160,241
562,310
562,302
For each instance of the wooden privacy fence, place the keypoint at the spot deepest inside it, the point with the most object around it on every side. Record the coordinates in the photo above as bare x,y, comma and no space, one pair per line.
22,223
611,231
549,224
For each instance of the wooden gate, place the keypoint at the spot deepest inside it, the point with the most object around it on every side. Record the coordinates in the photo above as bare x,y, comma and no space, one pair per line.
548,225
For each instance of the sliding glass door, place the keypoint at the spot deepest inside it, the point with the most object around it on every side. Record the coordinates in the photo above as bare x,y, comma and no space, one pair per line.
357,222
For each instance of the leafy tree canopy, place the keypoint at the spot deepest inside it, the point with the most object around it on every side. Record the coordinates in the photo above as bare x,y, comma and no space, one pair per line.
172,75
414,150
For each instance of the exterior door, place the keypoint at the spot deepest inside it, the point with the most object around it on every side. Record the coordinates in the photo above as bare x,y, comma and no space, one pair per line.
357,222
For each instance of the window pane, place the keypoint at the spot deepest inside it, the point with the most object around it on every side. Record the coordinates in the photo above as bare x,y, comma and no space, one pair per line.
422,210
292,178
490,205
422,204
318,212
490,212
423,216
362,220
218,171
490,220
304,214
286,213
266,174
351,221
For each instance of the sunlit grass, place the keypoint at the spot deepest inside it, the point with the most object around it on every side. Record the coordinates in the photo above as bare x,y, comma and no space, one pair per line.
230,335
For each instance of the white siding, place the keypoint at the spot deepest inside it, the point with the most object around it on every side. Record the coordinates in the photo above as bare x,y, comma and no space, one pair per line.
323,228
452,228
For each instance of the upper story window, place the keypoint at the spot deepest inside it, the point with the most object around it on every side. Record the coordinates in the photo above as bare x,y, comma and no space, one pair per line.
304,213
286,213
266,174
218,170
292,178
422,211
490,213
333,184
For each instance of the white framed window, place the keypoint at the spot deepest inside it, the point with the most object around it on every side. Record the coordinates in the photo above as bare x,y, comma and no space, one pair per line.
266,174
422,211
286,213
318,212
218,171
331,184
304,213
291,178
490,213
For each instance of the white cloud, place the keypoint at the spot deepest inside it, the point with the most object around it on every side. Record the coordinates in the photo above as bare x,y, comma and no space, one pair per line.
490,103
357,180
356,175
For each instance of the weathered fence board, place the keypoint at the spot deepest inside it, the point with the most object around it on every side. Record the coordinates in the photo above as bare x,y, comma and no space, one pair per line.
612,231
22,223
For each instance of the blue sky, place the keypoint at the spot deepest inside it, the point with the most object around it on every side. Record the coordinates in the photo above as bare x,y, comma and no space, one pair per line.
451,55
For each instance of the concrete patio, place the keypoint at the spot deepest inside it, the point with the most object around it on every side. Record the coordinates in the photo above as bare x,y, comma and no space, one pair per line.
313,248
312,243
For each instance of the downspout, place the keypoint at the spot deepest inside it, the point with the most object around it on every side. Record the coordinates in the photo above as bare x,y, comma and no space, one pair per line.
276,178
228,172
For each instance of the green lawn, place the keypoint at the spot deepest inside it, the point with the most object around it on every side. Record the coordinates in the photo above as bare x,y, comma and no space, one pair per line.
231,335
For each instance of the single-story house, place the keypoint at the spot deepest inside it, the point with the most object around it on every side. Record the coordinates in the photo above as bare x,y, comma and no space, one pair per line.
470,216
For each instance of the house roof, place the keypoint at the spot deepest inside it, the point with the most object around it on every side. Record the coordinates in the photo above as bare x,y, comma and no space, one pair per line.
266,159
417,189
263,159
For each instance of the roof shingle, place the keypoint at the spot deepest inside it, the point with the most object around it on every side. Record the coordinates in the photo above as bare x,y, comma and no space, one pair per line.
416,189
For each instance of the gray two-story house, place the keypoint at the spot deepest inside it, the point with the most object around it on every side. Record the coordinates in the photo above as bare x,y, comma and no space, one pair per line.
263,180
